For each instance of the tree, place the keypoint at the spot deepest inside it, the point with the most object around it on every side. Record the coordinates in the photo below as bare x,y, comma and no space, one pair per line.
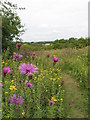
11,24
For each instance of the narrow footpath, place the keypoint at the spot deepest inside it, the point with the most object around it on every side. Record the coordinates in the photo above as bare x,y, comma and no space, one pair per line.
75,101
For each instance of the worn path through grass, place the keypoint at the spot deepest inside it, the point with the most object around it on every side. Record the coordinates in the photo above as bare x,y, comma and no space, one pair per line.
75,99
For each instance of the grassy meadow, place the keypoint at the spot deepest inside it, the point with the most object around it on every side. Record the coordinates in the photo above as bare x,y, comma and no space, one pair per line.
42,93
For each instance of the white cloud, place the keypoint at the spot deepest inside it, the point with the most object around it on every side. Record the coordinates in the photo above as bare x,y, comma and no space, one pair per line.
43,25
52,19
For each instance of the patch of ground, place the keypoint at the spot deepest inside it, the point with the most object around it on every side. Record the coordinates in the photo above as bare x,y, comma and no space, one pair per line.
75,100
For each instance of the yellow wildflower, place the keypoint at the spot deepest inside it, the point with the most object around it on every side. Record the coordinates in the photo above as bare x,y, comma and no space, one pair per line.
54,78
51,78
12,81
23,113
50,70
54,99
61,99
12,88
0,110
14,53
7,116
60,76
45,70
3,62
29,80
34,78
6,92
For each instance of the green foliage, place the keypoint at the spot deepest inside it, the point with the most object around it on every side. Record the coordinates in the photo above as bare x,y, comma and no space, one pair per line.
75,63
11,24
36,100
71,43
57,44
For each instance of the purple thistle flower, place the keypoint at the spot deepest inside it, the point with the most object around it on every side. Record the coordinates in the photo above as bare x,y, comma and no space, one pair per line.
30,75
28,84
55,59
33,55
17,56
18,45
33,69
27,69
6,70
51,102
17,100
1,84
22,68
14,96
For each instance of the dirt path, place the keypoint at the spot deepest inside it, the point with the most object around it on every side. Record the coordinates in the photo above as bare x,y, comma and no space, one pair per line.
75,100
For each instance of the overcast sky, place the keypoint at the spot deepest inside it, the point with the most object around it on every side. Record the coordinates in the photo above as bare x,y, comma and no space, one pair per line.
47,20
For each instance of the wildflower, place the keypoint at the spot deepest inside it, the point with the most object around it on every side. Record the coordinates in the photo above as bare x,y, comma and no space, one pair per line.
28,84
27,69
17,56
61,99
14,53
11,57
30,75
12,81
45,70
48,55
17,100
60,76
1,84
6,70
51,102
46,90
18,45
11,72
54,99
54,79
50,71
23,113
12,88
3,62
35,78
33,55
62,82
0,110
51,78
55,59
7,116
6,92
